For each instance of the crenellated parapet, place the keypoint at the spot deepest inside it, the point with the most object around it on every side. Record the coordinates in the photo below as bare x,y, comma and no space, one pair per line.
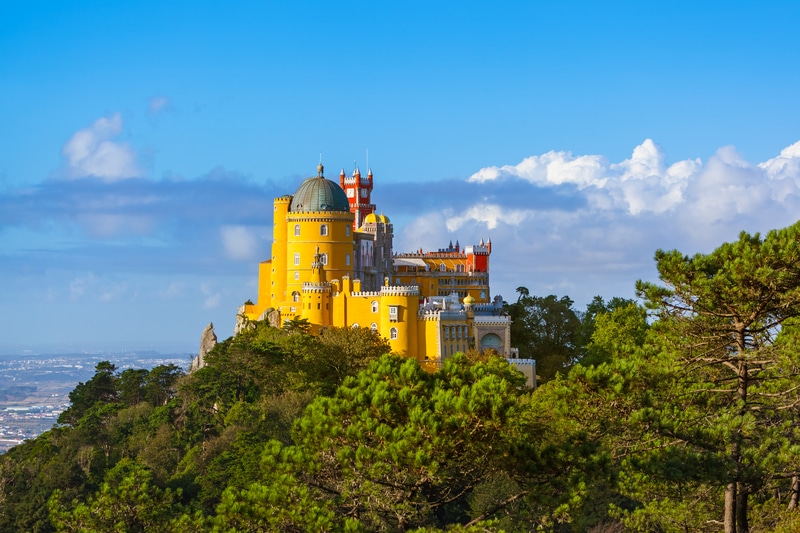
367,294
492,320
440,314
399,290
309,286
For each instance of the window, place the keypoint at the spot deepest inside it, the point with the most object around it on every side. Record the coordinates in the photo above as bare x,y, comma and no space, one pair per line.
323,229
296,274
459,268
374,327
295,296
350,193
297,230
442,268
324,259
392,312
356,326
347,231
393,334
297,258
374,306
347,259
446,333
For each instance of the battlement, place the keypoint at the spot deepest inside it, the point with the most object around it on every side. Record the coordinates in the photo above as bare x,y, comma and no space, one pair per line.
399,290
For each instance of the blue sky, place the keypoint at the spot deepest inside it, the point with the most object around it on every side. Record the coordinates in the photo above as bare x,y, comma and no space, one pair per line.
143,143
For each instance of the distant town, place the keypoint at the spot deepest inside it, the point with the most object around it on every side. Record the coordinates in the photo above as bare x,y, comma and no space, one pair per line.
34,388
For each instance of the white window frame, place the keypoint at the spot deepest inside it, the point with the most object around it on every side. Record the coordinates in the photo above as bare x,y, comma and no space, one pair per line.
393,334
297,230
323,230
296,258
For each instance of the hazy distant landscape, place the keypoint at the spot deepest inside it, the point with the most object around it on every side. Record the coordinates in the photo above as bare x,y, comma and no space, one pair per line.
35,382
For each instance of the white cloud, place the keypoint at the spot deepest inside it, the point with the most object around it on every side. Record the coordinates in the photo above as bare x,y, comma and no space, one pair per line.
114,292
158,104
597,224
489,214
212,297
173,291
93,152
78,286
240,243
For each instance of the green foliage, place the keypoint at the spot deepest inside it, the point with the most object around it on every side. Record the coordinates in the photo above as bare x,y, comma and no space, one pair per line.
128,502
546,329
686,420
398,448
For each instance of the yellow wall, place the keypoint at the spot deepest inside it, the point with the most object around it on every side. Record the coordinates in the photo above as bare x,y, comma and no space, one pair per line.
335,244
337,300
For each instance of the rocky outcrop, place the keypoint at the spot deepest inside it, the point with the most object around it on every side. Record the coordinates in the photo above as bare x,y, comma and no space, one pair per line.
271,315
207,342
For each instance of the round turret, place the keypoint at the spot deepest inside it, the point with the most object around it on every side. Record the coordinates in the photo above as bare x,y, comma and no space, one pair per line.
319,194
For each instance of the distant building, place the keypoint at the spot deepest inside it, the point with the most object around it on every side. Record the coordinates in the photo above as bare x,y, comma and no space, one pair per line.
333,264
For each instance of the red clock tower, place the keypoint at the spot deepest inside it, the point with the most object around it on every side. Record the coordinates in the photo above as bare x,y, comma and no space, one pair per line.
359,194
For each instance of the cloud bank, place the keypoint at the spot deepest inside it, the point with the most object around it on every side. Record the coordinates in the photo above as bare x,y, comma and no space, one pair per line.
105,234
582,225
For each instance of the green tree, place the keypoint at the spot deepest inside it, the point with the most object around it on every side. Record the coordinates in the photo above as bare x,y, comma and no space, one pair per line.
398,448
128,502
719,315
546,329
101,388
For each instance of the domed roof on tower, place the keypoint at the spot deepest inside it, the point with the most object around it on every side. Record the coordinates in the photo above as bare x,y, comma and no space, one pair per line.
319,194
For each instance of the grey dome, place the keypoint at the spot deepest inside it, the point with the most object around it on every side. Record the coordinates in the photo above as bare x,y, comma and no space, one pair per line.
319,194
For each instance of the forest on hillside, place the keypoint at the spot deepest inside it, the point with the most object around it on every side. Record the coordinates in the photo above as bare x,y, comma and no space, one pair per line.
676,412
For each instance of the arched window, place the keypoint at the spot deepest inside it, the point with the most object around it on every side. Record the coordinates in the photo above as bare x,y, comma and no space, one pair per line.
296,274
297,258
324,259
374,327
347,259
297,230
491,340
295,296
459,268
393,334
323,229
356,326
374,306
442,267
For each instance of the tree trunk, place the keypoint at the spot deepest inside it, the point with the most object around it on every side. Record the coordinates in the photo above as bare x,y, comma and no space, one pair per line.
793,499
741,509
730,507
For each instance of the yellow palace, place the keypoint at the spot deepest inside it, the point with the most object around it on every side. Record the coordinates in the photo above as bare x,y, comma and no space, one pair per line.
332,263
